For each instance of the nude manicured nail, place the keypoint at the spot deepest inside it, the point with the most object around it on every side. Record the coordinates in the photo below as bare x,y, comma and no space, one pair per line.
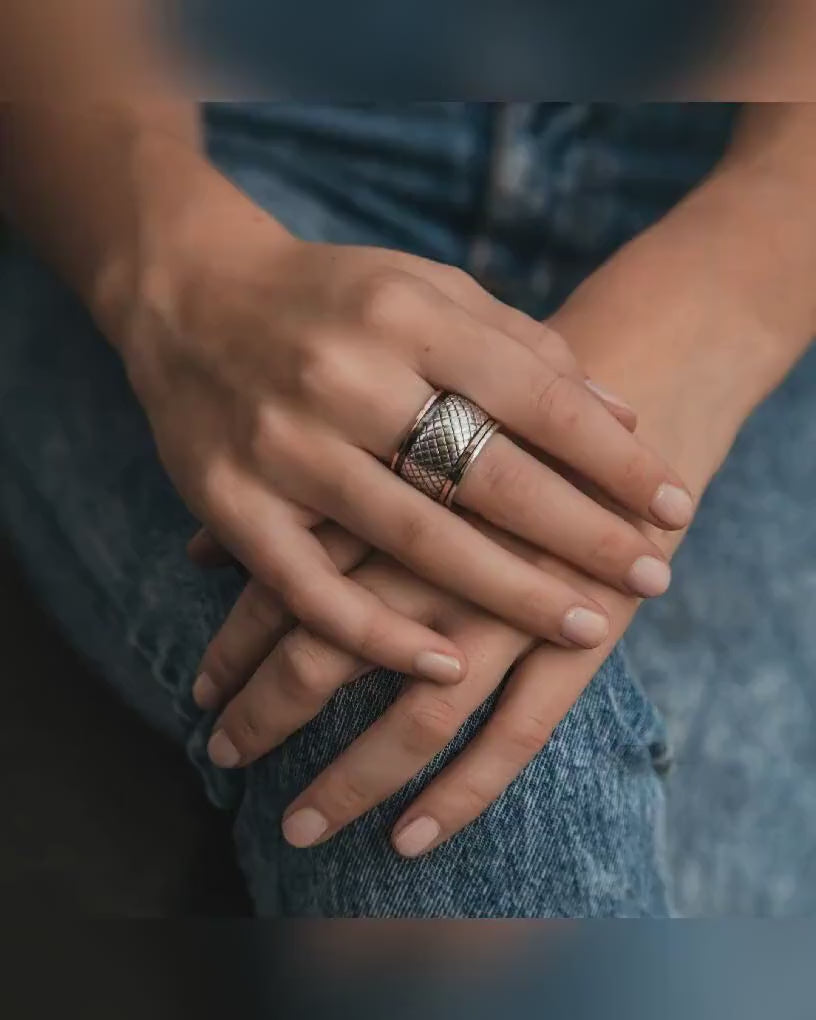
304,827
205,694
584,627
438,667
222,751
416,837
606,396
672,505
648,576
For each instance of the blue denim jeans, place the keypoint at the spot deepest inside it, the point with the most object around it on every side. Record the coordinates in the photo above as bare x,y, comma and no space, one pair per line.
530,198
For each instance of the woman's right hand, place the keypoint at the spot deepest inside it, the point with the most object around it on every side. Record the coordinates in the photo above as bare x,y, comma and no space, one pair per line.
279,375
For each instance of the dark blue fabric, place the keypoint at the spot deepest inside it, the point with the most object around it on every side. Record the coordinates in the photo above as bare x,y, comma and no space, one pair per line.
530,197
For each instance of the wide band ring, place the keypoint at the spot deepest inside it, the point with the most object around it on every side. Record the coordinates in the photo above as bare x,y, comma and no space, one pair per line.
442,445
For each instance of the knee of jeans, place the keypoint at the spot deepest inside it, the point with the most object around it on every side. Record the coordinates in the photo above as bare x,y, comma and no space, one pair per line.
614,723
578,833
613,726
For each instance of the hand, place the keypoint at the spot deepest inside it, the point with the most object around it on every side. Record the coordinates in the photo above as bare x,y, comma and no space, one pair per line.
304,671
296,680
687,414
277,374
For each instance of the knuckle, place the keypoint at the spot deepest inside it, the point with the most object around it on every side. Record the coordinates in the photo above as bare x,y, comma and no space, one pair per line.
386,299
456,280
304,601
373,634
245,726
428,723
220,664
348,796
637,470
271,435
523,736
216,485
506,490
323,371
263,609
543,608
557,349
553,399
301,668
340,491
414,534
611,547
474,794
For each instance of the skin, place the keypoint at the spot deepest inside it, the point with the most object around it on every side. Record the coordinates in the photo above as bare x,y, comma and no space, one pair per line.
110,192
278,375
697,323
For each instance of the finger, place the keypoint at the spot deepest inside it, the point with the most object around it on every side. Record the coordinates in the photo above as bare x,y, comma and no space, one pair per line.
370,501
539,337
206,551
618,407
519,494
523,722
286,557
419,724
401,742
256,623
549,409
303,671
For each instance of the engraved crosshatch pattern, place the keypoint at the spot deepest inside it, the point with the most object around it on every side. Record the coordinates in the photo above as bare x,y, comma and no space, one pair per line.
443,438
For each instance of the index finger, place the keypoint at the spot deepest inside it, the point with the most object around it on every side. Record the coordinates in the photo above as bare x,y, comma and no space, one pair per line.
522,723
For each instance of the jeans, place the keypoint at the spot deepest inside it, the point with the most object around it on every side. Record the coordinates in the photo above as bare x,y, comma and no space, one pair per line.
715,679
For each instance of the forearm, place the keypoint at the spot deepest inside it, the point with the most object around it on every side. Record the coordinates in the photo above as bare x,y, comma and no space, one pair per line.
85,181
757,214
89,112
715,303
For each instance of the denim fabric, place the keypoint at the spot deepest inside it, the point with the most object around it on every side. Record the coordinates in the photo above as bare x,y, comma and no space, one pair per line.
531,198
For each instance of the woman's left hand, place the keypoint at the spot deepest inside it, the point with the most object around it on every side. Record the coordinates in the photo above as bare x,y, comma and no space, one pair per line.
303,671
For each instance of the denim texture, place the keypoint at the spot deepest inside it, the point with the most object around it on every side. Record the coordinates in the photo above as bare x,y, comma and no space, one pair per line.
531,198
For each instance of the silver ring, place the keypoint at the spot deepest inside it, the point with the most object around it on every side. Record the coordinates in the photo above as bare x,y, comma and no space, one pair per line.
442,445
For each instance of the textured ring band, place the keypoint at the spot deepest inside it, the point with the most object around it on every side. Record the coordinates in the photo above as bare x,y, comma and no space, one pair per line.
441,446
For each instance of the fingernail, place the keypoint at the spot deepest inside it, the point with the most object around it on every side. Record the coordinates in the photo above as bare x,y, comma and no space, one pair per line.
222,751
417,836
584,627
672,505
304,827
606,396
649,576
205,694
436,666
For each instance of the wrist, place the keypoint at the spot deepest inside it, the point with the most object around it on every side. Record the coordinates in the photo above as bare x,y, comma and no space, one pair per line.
190,233
753,226
202,247
717,297
164,178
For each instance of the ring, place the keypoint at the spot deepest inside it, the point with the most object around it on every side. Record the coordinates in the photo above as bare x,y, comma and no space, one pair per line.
442,445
